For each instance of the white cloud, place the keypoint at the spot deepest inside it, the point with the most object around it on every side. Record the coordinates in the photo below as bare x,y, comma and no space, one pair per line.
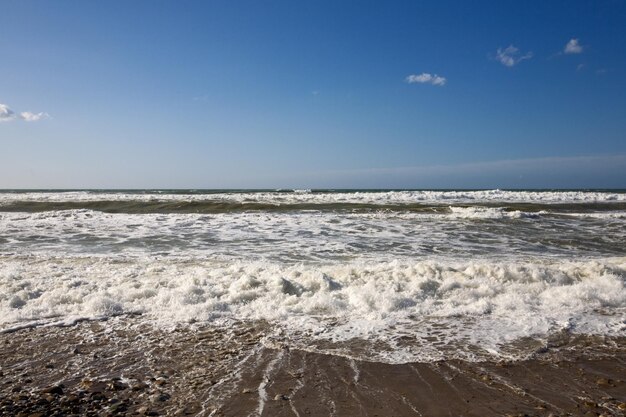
573,47
33,117
426,78
511,56
6,114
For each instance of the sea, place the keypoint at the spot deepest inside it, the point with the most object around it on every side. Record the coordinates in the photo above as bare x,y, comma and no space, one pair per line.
394,276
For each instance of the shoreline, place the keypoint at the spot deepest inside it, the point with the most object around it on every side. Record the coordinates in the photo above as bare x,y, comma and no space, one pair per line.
122,366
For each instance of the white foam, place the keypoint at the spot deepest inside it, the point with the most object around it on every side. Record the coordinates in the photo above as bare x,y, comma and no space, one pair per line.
483,304
490,213
309,235
599,215
454,282
306,196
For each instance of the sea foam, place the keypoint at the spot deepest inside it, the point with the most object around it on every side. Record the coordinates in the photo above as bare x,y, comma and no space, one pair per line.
319,197
485,304
393,276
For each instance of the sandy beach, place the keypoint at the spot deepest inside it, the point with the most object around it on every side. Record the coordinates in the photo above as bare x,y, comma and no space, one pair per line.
123,367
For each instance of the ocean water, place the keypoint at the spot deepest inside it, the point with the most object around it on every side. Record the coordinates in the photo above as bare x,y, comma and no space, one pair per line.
394,276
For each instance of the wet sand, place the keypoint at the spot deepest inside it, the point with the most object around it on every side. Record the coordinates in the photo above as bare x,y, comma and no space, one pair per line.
123,367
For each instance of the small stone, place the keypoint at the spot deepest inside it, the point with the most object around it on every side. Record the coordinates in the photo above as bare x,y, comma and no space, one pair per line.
160,381
192,409
48,397
603,382
281,397
138,386
55,389
162,397
117,386
590,404
85,383
621,406
98,386
118,407
246,391
146,411
97,396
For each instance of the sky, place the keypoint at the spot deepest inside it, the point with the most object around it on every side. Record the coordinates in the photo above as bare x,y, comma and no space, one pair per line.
312,94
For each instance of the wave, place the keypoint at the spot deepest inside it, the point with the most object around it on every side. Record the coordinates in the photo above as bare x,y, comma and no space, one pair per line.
478,212
479,209
308,195
482,304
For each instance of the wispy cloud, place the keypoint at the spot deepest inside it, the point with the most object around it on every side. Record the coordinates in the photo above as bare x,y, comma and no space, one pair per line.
426,78
573,47
511,56
8,115
33,117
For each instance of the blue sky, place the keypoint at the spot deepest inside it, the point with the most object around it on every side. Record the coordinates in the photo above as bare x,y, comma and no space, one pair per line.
271,94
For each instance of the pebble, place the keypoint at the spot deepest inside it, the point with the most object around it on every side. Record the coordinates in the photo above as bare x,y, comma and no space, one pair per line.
97,396
85,383
146,411
55,389
590,404
117,385
603,382
48,397
193,408
118,407
162,397
138,386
